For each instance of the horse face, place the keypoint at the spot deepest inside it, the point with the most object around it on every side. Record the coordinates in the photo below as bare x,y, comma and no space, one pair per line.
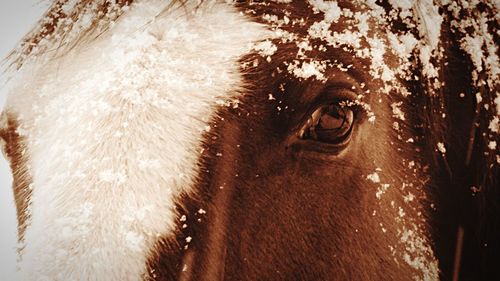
252,141
314,171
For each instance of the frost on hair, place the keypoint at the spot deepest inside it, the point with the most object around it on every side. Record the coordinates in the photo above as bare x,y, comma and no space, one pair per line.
66,23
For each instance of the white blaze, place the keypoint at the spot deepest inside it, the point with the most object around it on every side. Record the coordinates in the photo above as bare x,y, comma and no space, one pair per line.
114,129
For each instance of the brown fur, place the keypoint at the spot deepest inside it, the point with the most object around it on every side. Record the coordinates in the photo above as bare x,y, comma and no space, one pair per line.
287,214
15,151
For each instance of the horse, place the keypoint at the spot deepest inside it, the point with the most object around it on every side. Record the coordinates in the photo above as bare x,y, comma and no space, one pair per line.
256,140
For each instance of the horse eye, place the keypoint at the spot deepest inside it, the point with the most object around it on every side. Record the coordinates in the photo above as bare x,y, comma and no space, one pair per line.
330,124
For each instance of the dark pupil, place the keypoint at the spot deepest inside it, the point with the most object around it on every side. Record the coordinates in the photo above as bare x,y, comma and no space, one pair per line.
329,124
332,119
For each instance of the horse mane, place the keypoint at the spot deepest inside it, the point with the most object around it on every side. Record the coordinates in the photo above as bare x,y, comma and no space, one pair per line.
461,135
64,25
68,23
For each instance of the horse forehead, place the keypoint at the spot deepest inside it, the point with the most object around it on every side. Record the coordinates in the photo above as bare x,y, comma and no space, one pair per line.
104,110
149,48
157,72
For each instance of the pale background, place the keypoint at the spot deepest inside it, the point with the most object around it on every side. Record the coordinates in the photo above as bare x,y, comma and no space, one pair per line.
17,17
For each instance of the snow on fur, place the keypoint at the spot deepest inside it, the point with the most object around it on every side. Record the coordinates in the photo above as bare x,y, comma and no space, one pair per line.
162,76
102,194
